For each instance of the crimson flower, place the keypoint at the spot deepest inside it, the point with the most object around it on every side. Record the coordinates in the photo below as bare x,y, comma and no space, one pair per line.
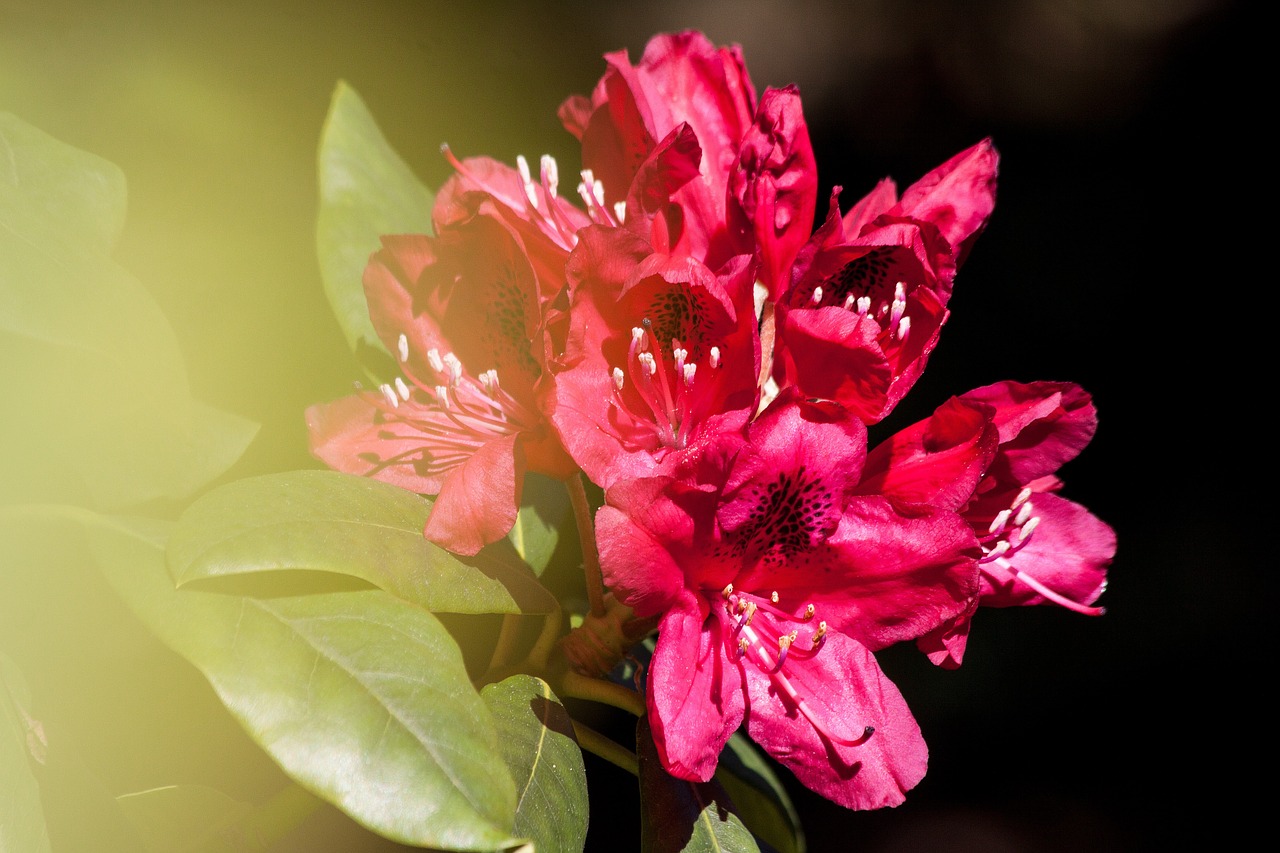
993,455
688,156
661,357
868,294
466,314
775,584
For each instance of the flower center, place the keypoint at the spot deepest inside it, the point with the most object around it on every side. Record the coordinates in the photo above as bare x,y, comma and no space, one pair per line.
455,415
769,637
668,398
1008,533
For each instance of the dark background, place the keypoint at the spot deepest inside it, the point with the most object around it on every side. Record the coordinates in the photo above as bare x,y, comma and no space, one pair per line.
1121,255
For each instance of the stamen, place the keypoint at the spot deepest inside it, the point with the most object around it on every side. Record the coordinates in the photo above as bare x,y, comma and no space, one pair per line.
817,295
620,211
442,396
773,596
433,359
390,396
998,523
617,378
904,328
402,389
849,302
530,188
809,610
550,174
690,370
402,347
1023,497
715,357
1024,512
864,305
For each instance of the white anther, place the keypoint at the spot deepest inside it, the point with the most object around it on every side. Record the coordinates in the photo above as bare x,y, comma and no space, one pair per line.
550,174
998,523
1024,512
864,305
639,338
690,370
489,379
530,189
1023,497
680,354
620,211
849,302
647,365
773,596
904,328
715,357
442,396
817,295
1027,529
402,347
433,359
402,389
390,396
455,368
1001,547
899,292
597,190
617,378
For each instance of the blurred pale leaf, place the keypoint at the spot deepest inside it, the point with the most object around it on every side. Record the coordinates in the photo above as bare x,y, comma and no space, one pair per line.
333,522
366,190
684,817
362,698
759,796
537,741
544,509
22,823
100,410
187,819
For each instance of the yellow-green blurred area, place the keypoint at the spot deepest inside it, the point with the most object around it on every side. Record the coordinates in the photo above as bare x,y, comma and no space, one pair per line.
1110,117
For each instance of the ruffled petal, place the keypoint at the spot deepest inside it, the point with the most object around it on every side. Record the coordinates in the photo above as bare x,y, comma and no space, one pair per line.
844,690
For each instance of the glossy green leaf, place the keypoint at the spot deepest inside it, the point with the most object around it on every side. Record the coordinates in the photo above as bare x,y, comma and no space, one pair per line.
188,819
545,761
319,520
86,356
544,510
366,190
684,817
759,796
362,698
22,822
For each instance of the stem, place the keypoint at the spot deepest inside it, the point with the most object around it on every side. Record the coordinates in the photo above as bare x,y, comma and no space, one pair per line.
545,644
598,690
597,744
587,534
507,635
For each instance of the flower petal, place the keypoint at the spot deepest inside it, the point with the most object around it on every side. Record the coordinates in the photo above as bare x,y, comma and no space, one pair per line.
695,694
844,690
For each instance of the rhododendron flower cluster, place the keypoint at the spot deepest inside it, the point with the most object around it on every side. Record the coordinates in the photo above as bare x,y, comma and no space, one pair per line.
686,333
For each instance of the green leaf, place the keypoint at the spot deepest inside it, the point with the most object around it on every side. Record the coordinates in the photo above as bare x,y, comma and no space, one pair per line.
684,817
187,819
321,520
362,698
22,822
86,356
760,796
366,191
543,756
544,509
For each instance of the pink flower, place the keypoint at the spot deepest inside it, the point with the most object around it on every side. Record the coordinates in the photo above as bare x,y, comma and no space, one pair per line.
993,455
868,295
465,313
694,162
662,356
775,585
